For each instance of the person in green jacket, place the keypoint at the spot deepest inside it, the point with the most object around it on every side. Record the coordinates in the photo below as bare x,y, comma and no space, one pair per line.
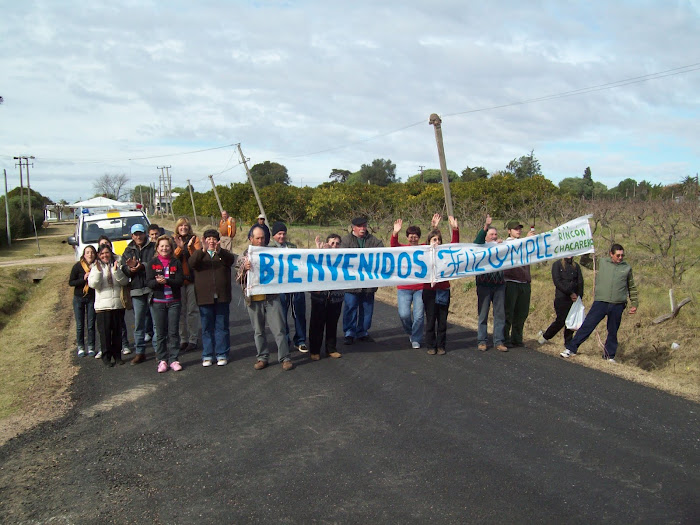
614,284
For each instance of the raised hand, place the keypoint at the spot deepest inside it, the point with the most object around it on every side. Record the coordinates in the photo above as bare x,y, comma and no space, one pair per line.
488,222
398,223
453,222
435,222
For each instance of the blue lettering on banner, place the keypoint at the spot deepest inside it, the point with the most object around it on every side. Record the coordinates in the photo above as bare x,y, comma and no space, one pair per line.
545,241
266,271
347,265
418,262
454,265
387,272
516,249
365,267
311,263
477,268
404,262
280,275
494,251
293,268
530,248
333,266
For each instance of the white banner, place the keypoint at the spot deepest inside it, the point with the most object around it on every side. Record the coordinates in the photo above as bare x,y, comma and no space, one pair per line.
281,270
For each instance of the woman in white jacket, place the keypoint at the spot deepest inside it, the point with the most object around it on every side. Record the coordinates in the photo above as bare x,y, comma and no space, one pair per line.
107,279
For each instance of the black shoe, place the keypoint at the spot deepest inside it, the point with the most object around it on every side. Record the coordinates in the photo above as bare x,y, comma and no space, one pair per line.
348,340
367,339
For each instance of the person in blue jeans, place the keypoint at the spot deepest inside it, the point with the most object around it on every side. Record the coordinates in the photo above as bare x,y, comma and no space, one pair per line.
84,302
490,290
359,303
212,284
296,300
614,285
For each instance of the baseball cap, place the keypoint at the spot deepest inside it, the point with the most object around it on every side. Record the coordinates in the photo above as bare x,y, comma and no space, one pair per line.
138,228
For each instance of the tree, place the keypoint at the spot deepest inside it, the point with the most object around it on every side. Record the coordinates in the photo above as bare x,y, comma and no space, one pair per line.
381,172
587,186
478,172
112,186
269,173
339,175
433,176
525,167
572,186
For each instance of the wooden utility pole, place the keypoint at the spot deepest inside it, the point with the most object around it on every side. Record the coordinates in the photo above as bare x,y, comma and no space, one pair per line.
21,184
194,212
216,193
7,213
252,183
437,123
420,168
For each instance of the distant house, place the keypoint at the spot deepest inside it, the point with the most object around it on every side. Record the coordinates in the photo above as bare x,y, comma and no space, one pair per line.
57,212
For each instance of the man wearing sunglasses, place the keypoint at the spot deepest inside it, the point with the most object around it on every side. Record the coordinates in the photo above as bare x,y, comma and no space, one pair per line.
614,284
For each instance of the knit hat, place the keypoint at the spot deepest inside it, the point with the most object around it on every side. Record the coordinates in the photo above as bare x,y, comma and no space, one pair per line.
278,227
211,233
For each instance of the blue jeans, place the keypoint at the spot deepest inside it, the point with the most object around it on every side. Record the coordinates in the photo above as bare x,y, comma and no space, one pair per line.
84,310
357,313
216,337
486,295
600,309
166,319
140,303
412,325
298,303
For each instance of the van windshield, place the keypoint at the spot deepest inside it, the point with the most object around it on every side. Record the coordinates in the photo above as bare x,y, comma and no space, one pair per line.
116,228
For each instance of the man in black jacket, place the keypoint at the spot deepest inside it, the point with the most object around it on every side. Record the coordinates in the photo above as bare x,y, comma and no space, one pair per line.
568,284
137,254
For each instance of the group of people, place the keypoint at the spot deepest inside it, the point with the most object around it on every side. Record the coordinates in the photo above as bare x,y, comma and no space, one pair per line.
178,284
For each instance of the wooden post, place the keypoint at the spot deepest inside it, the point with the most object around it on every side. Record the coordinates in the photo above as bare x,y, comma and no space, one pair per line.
7,213
437,123
194,212
216,194
252,183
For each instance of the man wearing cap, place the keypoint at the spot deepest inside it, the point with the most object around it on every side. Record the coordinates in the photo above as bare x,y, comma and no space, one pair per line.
518,281
212,286
359,303
261,224
134,259
297,300
263,308
227,230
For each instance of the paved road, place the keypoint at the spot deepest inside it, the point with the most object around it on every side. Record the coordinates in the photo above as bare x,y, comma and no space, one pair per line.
384,435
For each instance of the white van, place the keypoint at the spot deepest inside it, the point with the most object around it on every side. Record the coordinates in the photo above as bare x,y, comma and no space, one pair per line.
115,224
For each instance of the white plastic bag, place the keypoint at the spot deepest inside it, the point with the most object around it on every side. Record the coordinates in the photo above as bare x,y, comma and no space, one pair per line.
577,312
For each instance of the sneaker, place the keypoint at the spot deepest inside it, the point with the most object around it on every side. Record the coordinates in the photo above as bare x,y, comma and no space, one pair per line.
221,361
303,348
259,365
348,340
147,338
432,351
207,362
502,348
335,355
81,352
126,350
162,366
540,337
91,352
315,357
611,360
440,351
175,366
483,347
287,365
567,353
98,355
367,338
415,344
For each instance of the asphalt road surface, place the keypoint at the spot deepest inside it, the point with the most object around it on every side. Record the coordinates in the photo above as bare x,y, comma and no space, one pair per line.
386,434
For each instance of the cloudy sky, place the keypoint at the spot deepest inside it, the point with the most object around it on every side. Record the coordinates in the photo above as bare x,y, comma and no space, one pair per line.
126,86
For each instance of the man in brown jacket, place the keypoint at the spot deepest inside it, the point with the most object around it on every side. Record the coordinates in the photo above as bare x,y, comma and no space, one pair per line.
227,230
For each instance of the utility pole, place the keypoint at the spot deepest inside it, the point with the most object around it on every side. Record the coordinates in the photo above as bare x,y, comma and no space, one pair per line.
167,188
437,123
420,168
216,193
250,179
7,213
194,212
21,184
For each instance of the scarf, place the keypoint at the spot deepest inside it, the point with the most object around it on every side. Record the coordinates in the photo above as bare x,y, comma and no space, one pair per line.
86,269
